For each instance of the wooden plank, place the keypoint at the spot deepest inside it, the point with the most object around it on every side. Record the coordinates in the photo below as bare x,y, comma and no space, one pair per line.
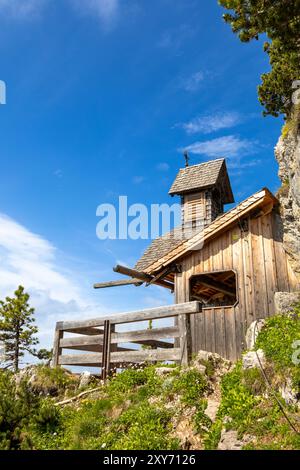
230,334
269,261
95,359
248,278
132,317
56,346
258,270
146,335
208,339
220,332
280,255
185,339
84,331
149,355
106,351
104,285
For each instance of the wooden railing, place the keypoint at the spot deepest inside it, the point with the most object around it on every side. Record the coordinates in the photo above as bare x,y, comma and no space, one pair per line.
100,342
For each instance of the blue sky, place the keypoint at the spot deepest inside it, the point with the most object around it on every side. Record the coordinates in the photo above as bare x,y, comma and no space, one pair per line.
101,97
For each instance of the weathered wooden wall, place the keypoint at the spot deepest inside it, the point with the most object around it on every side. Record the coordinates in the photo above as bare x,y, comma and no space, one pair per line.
262,268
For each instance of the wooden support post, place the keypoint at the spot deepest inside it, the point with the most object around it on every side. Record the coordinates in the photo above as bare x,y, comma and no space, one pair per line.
106,350
57,350
185,339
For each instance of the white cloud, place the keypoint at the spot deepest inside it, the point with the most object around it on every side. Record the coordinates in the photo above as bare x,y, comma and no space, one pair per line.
163,166
21,8
138,179
232,147
193,83
211,123
28,259
105,10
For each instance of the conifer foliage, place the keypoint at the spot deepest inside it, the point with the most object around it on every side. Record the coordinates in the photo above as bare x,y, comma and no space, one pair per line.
17,328
279,20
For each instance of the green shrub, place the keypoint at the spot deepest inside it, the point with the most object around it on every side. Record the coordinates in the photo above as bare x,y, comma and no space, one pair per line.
191,385
277,338
144,427
202,422
17,406
53,381
130,379
238,402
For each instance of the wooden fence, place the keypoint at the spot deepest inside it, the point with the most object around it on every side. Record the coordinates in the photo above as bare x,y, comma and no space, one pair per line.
100,342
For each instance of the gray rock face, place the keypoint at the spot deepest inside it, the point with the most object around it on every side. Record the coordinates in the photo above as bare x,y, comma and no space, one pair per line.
229,440
252,333
288,393
284,301
85,379
287,153
250,359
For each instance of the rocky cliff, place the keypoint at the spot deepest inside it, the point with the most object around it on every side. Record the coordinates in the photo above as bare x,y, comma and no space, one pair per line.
287,153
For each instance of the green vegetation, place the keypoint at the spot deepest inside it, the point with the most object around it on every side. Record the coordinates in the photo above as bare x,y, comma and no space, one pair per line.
248,404
145,409
17,329
280,21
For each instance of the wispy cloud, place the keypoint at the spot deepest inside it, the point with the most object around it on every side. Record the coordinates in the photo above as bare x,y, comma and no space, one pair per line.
193,83
30,260
138,179
21,8
173,39
232,147
105,10
163,166
207,124
58,173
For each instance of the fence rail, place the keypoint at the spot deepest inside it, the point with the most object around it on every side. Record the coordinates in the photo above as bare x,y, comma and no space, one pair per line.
99,341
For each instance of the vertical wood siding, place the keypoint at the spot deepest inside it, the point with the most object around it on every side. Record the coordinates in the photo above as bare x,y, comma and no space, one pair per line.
262,268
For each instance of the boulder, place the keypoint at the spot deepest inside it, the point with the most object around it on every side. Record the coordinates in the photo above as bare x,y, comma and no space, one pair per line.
288,393
252,333
285,301
254,359
85,379
212,409
229,440
164,370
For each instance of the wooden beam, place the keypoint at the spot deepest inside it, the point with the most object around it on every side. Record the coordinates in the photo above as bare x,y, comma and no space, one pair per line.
104,285
56,346
142,276
86,331
209,282
160,275
145,335
132,317
95,360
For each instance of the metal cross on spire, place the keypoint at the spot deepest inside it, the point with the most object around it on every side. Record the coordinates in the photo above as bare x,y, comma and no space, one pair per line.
187,158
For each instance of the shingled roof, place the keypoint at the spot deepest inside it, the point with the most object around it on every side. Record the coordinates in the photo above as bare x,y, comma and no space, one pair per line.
172,245
201,176
160,247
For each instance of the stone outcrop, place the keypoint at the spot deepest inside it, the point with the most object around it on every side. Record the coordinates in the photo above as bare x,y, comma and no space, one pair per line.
285,301
287,153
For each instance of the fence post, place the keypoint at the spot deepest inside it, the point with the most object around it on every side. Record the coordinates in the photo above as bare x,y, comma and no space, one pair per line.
106,350
185,338
59,334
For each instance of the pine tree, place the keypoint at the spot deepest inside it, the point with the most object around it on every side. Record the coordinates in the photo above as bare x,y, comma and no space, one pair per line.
280,21
17,329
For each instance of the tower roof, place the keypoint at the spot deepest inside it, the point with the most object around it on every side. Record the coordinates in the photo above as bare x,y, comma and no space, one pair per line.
203,176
